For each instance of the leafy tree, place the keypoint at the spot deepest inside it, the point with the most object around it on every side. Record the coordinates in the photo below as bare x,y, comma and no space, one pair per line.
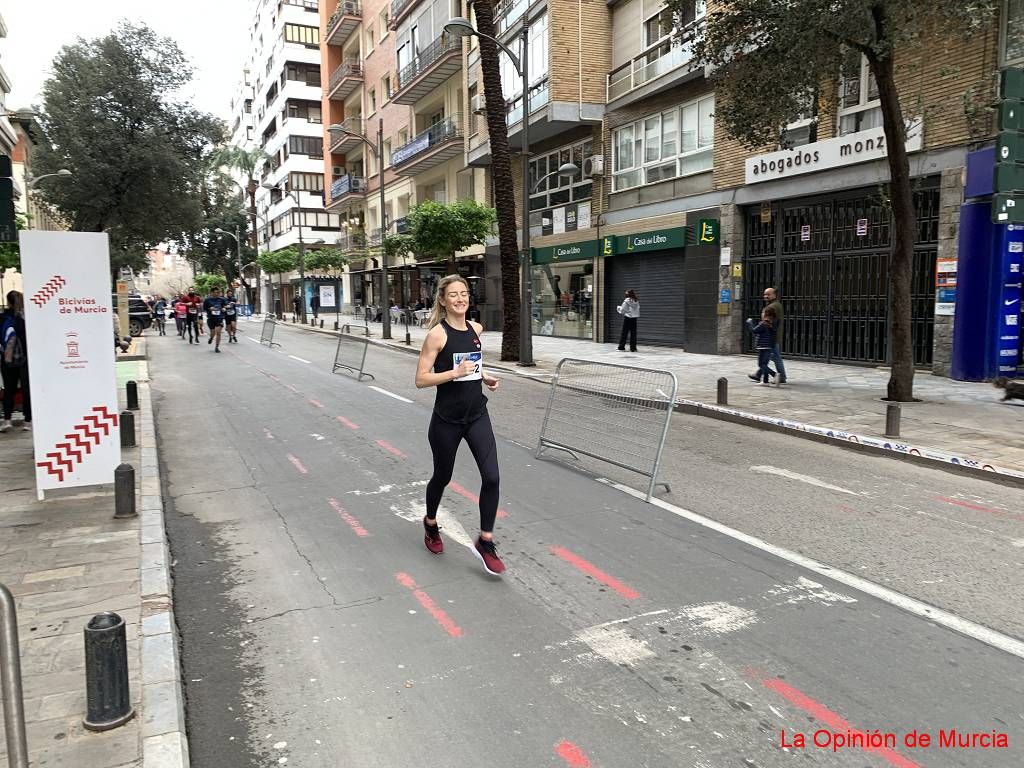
440,230
398,245
501,178
770,57
279,261
136,152
10,253
204,283
325,260
247,162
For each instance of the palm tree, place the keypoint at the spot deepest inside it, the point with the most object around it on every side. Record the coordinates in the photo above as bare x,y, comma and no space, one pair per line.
501,178
248,162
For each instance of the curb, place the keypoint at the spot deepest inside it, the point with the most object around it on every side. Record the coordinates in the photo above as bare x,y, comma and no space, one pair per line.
882,446
164,741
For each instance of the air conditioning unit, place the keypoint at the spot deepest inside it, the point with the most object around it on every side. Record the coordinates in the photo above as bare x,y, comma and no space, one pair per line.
478,104
593,166
358,185
337,171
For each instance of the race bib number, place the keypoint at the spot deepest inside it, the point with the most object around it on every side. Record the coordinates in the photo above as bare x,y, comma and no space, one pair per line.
229,311
477,358
191,310
215,312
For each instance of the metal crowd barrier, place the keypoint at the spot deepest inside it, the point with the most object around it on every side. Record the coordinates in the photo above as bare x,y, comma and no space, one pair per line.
618,414
347,328
267,334
10,683
351,355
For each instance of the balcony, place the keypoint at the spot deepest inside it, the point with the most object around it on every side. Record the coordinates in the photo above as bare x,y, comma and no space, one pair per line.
352,242
344,141
344,80
663,66
344,21
507,13
348,188
438,144
540,94
399,10
402,225
435,64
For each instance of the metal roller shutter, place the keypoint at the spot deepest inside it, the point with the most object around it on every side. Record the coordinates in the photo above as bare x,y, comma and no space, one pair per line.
658,280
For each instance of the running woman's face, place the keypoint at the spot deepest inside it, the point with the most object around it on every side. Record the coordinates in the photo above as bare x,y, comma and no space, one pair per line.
456,298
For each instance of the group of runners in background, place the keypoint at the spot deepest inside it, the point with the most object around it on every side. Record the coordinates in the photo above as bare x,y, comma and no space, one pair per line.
193,315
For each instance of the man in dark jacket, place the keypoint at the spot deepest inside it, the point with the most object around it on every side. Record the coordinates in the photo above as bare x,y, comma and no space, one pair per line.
14,361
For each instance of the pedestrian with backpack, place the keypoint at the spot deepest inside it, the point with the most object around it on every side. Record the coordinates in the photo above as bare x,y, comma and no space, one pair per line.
14,361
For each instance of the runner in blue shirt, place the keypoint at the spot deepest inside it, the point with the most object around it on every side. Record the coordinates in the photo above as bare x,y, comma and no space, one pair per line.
214,306
231,319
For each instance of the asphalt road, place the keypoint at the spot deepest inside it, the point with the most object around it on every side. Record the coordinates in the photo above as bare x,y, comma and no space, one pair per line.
318,631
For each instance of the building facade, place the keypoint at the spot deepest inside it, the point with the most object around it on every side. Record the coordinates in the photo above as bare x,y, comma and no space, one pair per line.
278,108
666,203
30,135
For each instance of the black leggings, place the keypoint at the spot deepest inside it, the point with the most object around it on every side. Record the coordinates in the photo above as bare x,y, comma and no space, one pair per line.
192,324
15,377
628,329
444,443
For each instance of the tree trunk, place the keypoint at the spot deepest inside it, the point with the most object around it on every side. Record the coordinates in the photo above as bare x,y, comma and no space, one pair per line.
901,346
501,178
251,189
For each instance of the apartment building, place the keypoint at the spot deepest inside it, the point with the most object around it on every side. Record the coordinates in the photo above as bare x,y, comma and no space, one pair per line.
394,79
7,136
30,135
278,108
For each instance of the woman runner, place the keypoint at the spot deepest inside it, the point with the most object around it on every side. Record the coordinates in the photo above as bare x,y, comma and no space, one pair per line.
452,361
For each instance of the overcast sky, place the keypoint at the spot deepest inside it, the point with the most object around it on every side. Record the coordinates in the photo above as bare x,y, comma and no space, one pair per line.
212,33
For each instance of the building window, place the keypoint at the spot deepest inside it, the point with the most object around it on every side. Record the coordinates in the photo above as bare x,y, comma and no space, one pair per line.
306,182
371,101
1013,33
554,191
803,130
369,40
303,35
385,87
677,142
387,152
305,110
313,146
303,73
385,20
511,81
662,24
859,107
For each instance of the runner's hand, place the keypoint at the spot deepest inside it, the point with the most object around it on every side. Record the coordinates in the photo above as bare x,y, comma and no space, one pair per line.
491,383
465,368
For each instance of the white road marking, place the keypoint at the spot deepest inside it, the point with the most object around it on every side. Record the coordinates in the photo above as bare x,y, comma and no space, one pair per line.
719,618
300,359
909,604
253,338
388,488
630,618
805,589
451,528
390,394
615,645
767,470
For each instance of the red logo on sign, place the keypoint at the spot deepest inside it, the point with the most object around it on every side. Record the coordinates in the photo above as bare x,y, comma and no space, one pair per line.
48,291
80,440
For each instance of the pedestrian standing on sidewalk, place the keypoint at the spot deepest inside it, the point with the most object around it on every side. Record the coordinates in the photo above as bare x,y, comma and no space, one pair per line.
297,305
630,311
764,341
314,304
14,361
452,360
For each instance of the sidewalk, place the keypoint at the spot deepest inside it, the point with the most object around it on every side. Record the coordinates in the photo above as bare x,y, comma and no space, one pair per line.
956,422
66,559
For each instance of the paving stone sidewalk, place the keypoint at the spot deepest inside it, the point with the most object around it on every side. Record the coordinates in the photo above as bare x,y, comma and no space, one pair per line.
960,418
66,559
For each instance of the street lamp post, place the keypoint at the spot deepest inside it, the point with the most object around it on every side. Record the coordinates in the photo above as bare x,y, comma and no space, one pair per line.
378,150
31,184
302,247
462,27
237,237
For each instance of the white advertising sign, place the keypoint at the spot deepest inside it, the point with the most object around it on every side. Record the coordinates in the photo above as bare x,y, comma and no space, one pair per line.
850,149
326,295
70,328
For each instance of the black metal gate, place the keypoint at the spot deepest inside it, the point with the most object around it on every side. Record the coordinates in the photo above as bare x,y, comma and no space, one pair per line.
829,258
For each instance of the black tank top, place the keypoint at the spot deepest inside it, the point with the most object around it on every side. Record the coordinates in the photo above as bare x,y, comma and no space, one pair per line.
458,402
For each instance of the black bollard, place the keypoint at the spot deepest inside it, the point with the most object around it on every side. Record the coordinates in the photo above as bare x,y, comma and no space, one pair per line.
127,429
108,703
124,491
335,325
723,391
132,393
321,323
892,419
